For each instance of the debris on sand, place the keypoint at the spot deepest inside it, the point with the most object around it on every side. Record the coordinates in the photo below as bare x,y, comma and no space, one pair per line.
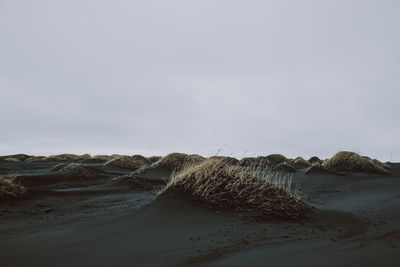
216,184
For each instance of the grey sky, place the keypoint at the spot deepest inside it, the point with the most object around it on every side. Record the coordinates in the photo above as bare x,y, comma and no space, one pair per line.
152,77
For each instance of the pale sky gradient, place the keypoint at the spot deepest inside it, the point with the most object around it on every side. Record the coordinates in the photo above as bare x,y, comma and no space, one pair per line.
300,78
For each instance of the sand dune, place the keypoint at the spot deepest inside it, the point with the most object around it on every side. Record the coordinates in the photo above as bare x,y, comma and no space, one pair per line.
106,222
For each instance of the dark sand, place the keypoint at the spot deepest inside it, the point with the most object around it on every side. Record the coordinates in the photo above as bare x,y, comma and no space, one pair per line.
100,222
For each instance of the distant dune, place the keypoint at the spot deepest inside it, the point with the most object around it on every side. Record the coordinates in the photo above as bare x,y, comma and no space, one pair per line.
187,210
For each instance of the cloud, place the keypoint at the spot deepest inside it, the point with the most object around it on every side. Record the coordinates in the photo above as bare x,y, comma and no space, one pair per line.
298,78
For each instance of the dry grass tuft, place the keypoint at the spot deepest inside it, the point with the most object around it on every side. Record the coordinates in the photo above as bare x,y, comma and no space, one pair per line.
15,158
128,162
345,161
317,168
227,160
259,162
10,189
177,161
381,164
217,184
75,170
314,160
276,159
154,159
285,167
299,161
62,157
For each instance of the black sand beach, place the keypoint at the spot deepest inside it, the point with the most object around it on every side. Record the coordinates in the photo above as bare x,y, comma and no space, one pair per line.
97,220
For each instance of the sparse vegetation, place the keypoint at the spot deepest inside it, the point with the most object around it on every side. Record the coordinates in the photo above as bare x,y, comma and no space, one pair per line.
227,160
284,166
300,162
154,159
314,160
217,184
177,161
317,168
347,162
75,170
276,159
62,157
10,189
381,164
128,162
259,162
101,158
14,158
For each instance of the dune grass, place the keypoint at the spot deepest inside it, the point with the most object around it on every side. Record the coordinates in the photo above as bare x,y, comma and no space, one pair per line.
128,162
285,167
299,161
154,159
177,161
349,162
216,184
317,168
251,162
276,159
15,158
345,161
10,189
61,157
226,159
74,170
314,160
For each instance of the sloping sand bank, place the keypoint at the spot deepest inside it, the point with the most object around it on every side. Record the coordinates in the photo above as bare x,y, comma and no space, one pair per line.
356,224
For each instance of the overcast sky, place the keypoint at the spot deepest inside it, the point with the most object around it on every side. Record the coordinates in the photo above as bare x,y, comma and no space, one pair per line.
300,78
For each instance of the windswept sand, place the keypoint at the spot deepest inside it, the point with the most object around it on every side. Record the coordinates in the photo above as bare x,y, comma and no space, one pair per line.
107,222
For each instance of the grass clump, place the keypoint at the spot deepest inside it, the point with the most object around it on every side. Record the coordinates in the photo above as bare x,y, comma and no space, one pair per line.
345,161
251,162
128,162
216,184
75,170
381,164
317,168
15,158
10,189
154,159
276,159
314,160
300,162
61,157
285,167
226,159
177,161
